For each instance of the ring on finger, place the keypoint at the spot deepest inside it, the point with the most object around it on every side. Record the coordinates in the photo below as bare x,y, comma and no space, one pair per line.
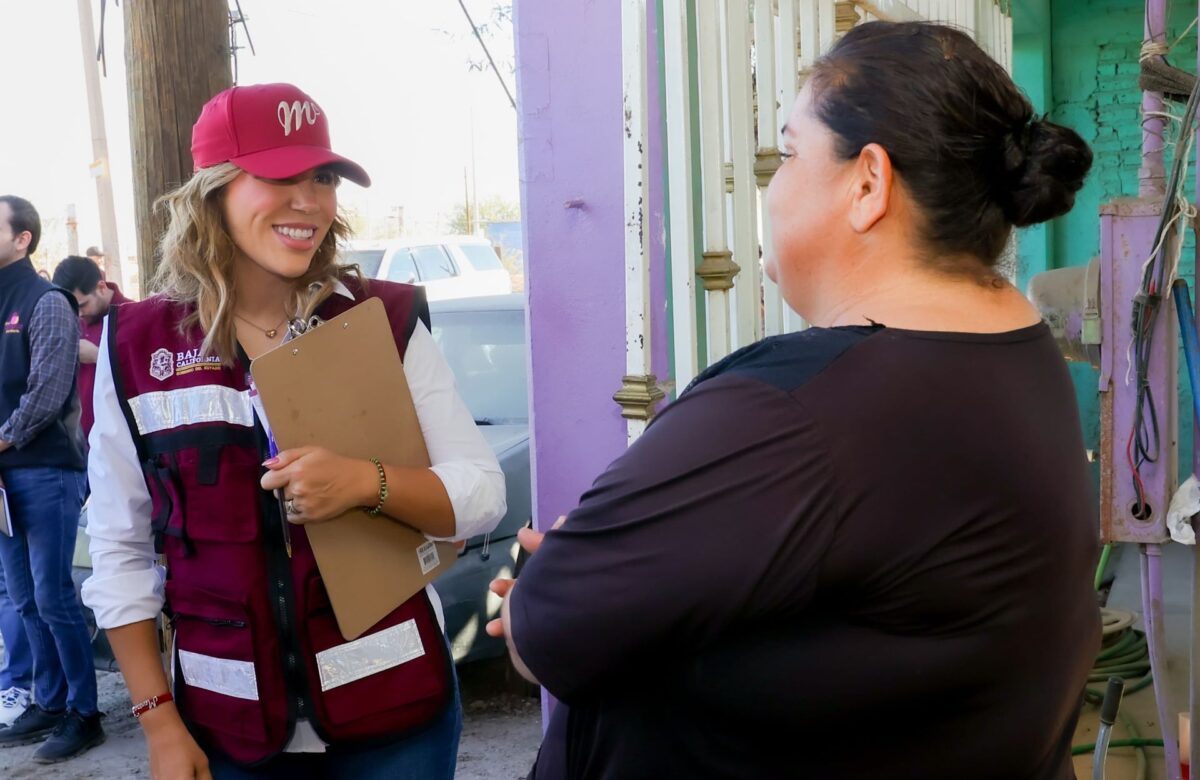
289,506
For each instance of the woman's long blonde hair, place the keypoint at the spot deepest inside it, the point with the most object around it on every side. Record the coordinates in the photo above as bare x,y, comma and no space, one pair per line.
197,256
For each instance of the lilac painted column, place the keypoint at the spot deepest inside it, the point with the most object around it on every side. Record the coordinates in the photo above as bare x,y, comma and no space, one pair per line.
569,127
570,124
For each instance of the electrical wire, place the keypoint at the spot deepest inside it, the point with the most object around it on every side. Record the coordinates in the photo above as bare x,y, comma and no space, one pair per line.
1158,271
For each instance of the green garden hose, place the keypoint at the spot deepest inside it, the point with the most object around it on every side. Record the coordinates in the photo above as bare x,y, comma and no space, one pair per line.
1125,654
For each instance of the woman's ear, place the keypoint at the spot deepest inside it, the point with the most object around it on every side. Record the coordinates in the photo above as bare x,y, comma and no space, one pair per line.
871,194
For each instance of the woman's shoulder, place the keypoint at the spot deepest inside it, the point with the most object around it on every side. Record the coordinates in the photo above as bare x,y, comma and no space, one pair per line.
405,303
362,288
789,360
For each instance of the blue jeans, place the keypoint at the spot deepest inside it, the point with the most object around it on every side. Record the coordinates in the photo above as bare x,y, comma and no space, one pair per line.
431,754
17,670
37,570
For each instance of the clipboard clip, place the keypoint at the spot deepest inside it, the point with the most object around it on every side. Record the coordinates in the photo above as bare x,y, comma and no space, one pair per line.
299,327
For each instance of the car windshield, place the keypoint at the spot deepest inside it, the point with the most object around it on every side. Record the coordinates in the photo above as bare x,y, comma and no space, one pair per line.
483,258
486,351
366,259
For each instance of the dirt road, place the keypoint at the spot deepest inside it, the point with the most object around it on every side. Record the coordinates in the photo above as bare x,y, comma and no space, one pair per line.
501,732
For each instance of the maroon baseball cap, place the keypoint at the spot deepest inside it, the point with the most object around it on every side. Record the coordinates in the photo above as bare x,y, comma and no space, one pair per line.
270,130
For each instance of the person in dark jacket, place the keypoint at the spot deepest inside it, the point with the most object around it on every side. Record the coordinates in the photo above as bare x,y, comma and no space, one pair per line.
42,470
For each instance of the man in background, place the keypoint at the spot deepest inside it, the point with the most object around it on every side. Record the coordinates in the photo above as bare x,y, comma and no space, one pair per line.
42,468
96,255
81,277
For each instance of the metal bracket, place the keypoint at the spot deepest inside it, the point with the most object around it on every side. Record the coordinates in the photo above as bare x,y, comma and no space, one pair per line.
718,270
766,163
638,396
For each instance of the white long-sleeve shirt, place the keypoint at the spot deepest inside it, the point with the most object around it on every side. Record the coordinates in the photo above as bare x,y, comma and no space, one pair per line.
126,585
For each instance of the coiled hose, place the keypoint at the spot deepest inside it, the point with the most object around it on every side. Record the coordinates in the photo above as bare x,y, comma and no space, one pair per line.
1125,654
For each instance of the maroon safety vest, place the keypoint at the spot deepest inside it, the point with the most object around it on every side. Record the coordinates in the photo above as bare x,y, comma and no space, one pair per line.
257,644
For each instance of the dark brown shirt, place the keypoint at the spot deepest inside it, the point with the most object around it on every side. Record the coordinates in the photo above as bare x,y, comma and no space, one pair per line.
843,553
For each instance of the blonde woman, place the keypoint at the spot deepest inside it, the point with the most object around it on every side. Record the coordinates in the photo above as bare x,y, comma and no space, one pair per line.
182,465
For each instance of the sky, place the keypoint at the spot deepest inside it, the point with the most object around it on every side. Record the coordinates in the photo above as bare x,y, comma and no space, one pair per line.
394,77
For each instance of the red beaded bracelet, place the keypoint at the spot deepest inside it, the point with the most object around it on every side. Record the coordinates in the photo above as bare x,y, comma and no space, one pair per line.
142,708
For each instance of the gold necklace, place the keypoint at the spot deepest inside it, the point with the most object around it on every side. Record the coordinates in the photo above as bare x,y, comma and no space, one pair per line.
268,332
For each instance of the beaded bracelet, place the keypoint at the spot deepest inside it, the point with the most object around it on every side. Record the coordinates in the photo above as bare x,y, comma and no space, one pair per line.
383,488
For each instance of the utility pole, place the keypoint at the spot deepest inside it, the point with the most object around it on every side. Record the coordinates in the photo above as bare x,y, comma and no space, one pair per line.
176,58
72,231
467,203
474,187
100,167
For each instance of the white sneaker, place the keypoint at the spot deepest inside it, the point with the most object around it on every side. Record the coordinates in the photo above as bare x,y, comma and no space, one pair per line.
13,702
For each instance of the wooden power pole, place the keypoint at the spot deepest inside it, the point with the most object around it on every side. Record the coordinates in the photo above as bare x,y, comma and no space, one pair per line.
176,58
100,170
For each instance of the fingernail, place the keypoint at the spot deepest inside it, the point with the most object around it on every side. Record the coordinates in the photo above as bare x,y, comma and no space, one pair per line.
270,462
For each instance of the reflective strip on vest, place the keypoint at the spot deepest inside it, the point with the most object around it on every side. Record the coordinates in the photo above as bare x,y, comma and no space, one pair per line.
370,655
166,409
219,675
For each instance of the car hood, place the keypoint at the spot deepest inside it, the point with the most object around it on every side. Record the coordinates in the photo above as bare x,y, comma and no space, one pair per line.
502,438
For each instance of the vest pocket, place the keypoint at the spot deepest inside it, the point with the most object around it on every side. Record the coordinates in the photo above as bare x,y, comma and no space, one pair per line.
216,675
393,668
221,501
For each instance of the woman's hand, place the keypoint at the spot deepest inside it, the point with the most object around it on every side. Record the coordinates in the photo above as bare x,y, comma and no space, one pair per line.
174,754
319,485
530,541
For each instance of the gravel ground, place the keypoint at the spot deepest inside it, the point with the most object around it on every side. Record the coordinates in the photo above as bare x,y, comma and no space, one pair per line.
501,732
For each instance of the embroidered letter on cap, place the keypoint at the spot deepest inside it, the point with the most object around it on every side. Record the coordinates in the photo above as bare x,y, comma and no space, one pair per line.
293,115
370,655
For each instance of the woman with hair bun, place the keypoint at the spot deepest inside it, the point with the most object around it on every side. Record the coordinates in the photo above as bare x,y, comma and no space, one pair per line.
865,549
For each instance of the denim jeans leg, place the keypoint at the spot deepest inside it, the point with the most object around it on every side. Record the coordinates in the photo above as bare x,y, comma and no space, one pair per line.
286,766
17,669
431,754
49,682
45,506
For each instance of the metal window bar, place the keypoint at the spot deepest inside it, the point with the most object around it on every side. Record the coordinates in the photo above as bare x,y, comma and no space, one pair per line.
766,157
634,48
716,270
743,149
678,153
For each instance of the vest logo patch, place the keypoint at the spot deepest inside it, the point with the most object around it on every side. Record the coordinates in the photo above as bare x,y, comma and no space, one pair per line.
165,364
13,324
162,364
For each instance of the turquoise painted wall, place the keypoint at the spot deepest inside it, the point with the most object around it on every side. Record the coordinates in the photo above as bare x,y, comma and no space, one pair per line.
1078,61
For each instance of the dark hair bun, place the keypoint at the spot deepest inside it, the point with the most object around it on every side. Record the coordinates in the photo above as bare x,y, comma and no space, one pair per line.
1045,165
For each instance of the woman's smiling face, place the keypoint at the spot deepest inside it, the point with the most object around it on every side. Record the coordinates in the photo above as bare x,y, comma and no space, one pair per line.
279,223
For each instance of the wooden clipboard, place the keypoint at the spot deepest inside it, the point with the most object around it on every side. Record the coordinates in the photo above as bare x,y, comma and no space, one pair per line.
341,386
